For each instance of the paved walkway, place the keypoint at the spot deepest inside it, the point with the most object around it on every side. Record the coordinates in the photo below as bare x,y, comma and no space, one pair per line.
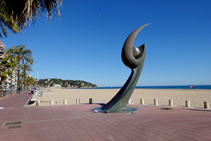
79,123
15,100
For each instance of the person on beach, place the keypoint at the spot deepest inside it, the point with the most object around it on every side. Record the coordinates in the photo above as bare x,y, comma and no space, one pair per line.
19,90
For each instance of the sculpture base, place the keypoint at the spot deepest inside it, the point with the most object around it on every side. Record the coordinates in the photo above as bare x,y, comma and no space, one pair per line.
123,110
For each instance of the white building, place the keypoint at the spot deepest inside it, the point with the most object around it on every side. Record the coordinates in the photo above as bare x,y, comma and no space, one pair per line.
28,75
2,50
14,79
57,86
14,76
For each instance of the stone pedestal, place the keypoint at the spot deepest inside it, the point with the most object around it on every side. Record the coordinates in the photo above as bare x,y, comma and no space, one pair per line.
52,102
90,100
206,104
187,103
155,101
78,101
171,103
38,103
142,101
65,101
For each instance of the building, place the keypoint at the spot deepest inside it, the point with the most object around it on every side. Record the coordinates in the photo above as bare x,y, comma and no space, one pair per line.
57,86
2,50
14,79
28,75
14,76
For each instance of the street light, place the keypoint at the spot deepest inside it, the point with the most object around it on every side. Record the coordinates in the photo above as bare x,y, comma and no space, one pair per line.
37,78
37,82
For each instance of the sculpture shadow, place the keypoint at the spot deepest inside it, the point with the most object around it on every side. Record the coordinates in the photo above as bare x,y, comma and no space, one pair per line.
201,110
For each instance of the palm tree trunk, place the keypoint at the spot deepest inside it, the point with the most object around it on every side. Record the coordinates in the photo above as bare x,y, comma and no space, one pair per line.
18,80
11,84
21,84
24,78
2,91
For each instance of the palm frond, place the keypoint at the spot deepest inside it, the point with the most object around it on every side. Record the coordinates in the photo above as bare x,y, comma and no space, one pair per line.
4,31
8,20
21,53
26,51
29,10
29,60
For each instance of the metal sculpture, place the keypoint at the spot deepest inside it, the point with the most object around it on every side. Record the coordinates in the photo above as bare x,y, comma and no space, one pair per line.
132,57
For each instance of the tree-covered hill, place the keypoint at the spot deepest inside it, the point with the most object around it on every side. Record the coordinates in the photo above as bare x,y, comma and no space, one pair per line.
65,83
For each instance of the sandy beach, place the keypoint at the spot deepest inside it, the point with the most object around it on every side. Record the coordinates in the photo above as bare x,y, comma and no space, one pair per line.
179,96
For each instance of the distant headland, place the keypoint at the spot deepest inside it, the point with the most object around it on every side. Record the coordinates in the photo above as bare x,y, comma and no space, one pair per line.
56,82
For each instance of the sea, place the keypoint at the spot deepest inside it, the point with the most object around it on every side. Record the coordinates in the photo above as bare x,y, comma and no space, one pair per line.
162,87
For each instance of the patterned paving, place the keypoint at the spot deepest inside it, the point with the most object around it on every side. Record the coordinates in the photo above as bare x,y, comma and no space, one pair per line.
15,100
79,123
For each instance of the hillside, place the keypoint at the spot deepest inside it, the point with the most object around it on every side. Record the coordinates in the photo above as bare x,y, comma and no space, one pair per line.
66,83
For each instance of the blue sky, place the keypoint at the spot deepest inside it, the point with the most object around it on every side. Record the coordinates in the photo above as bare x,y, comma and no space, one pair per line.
85,43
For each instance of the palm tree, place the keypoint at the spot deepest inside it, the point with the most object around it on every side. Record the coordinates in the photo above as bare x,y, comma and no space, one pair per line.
13,65
21,12
22,54
26,68
4,71
30,81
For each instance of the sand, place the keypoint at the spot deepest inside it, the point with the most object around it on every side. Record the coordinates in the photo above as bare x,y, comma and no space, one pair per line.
179,96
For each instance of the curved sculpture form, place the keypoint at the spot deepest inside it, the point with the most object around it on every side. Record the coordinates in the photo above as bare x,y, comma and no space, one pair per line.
135,61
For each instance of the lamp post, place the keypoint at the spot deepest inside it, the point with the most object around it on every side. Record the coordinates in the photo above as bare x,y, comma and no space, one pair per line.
37,78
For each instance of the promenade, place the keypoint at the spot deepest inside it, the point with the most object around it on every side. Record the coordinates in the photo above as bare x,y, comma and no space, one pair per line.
79,123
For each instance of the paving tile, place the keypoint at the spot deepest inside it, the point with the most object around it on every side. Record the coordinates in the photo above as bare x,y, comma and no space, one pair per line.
52,139
85,137
63,138
78,122
95,136
20,138
6,138
75,137
67,139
